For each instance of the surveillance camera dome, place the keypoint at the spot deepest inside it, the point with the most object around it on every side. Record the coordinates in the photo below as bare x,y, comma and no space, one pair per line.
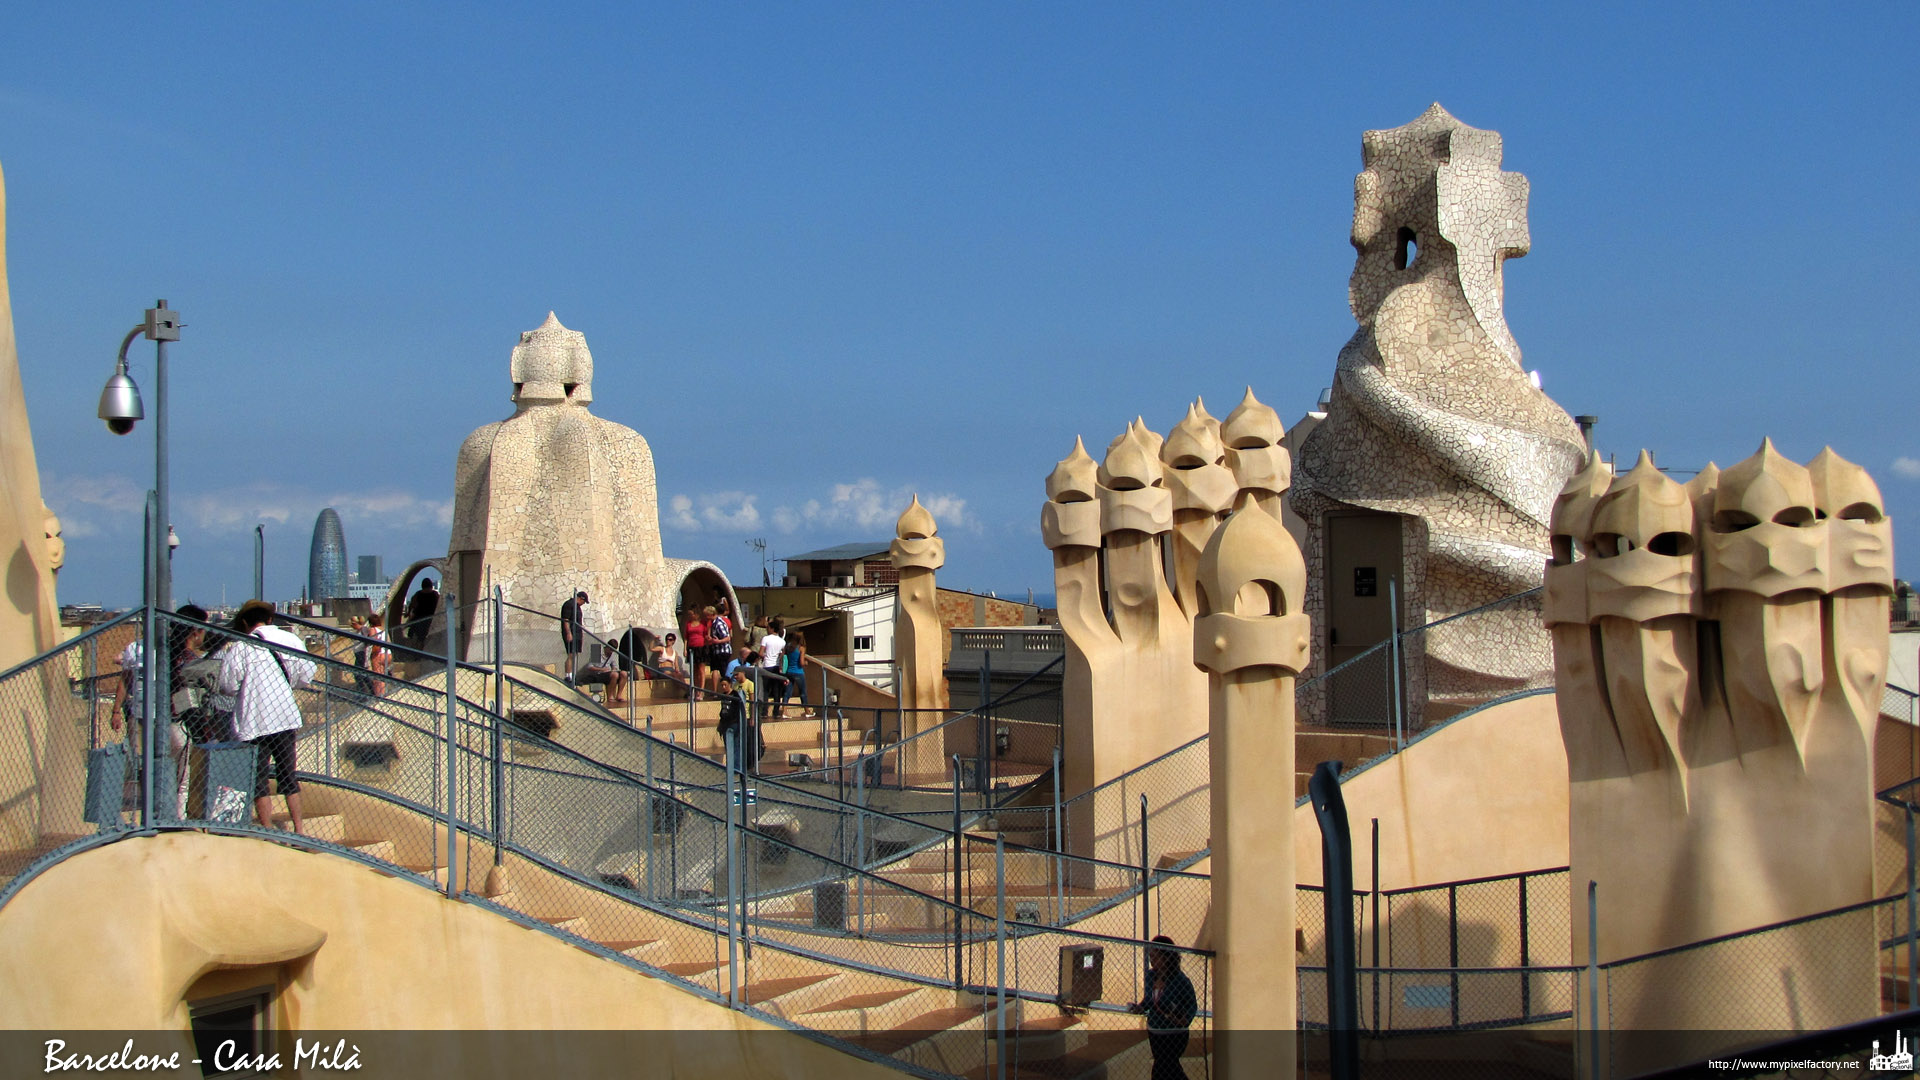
120,425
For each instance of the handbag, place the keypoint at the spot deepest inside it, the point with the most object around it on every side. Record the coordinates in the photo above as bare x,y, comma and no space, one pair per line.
230,771
113,785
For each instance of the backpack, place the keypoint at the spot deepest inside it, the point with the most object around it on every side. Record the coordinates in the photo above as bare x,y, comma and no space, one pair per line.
733,712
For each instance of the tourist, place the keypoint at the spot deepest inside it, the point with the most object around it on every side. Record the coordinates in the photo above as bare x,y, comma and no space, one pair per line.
794,665
696,630
133,684
743,659
734,715
720,633
573,631
775,685
1170,1006
262,680
357,626
609,676
666,660
379,657
420,612
183,646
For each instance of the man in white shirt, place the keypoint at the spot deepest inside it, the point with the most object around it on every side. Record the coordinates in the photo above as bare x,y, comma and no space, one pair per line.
773,683
266,714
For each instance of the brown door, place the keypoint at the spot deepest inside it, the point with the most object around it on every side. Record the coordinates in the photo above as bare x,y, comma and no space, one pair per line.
1363,557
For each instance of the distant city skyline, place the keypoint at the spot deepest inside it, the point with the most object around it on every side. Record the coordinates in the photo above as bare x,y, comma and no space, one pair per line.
829,258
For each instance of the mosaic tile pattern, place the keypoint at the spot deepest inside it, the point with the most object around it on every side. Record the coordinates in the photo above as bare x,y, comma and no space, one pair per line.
1432,415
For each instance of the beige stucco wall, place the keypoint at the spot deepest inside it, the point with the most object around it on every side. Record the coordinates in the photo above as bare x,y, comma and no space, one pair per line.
1485,795
30,551
130,927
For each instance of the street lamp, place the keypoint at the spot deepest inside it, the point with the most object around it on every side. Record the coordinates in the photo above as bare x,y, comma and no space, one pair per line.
120,407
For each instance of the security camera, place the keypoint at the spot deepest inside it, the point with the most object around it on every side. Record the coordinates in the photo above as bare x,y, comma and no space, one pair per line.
120,402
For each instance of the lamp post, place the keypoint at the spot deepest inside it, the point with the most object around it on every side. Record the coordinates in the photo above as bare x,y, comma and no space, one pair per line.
120,408
259,562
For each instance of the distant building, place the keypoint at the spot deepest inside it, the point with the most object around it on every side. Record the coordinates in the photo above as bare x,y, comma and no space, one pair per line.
843,565
327,564
371,571
375,591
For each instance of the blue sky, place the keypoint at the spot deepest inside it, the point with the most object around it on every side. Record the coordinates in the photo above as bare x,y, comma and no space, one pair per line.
829,254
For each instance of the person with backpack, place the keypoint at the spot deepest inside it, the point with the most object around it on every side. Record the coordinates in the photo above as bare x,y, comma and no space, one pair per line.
262,681
736,722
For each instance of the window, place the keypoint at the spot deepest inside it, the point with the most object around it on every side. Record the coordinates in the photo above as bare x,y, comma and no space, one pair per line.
863,643
242,1018
1408,249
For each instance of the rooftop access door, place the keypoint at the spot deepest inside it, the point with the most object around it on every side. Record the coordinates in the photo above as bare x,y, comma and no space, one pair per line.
1363,555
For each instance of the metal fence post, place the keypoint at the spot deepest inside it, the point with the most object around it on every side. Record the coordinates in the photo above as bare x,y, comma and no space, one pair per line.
150,661
1059,846
1913,901
453,675
499,717
1146,931
1376,924
731,739
1393,664
958,959
1000,939
653,815
1593,976
1453,951
1526,979
860,847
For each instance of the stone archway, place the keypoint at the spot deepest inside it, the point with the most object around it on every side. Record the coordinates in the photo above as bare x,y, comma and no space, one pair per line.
396,606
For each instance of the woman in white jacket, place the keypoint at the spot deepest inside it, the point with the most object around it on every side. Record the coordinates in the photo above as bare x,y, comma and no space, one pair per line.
262,681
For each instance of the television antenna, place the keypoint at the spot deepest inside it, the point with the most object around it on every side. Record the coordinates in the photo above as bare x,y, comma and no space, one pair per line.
759,544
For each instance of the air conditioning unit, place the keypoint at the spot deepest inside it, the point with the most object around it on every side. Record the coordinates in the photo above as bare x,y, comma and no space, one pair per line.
844,582
789,581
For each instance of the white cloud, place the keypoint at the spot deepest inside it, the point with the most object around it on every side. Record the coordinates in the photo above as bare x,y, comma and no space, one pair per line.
86,503
680,514
724,511
1907,467
861,505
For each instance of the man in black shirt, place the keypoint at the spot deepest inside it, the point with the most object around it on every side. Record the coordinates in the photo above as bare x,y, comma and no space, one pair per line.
420,612
572,630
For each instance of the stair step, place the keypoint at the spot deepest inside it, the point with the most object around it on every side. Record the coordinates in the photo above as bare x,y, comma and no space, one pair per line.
329,827
764,990
570,923
373,849
629,946
862,1001
925,1026
687,969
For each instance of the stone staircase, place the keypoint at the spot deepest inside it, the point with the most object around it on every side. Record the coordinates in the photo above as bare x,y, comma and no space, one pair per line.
912,1020
1313,745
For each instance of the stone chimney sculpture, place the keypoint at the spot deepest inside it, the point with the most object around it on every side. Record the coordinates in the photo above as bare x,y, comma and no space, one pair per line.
1251,637
1433,422
916,553
1131,689
555,500
1720,650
